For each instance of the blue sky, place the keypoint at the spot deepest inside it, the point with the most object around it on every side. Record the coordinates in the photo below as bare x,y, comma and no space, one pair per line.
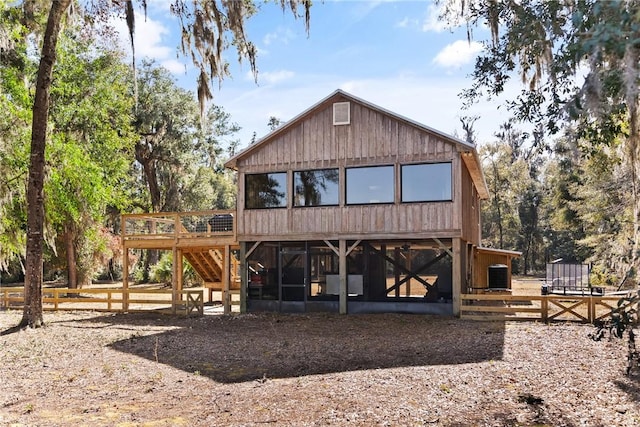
394,54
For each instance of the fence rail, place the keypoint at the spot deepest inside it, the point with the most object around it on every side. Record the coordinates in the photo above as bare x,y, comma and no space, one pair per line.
544,308
185,302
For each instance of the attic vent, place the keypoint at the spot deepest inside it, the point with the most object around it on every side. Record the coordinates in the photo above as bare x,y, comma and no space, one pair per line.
341,113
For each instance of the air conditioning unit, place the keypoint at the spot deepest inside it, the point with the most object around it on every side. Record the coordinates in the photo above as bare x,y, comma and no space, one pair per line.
341,113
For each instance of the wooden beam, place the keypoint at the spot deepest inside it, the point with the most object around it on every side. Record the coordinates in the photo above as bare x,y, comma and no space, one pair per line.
174,281
414,274
180,263
244,279
343,276
352,247
443,247
250,251
226,277
457,276
125,279
333,248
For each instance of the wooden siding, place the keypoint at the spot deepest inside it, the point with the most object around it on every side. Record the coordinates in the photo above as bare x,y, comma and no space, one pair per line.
372,138
470,209
414,220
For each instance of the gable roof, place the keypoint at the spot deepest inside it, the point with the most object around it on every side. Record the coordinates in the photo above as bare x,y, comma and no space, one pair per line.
468,150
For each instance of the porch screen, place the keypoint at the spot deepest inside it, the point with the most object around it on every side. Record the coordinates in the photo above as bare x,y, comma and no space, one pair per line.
428,182
266,190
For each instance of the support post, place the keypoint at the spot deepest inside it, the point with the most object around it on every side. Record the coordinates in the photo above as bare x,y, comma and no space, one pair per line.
174,282
180,267
125,278
226,278
457,275
396,270
342,248
244,277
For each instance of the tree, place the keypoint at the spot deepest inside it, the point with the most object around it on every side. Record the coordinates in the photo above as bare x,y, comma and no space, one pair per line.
32,315
565,41
16,104
511,218
274,123
90,148
175,142
205,28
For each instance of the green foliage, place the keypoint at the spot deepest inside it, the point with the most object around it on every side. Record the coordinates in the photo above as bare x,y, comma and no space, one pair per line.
580,71
601,278
511,218
179,154
162,272
15,133
563,39
90,147
623,321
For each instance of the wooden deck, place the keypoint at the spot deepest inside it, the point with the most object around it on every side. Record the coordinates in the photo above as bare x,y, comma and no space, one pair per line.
206,239
204,229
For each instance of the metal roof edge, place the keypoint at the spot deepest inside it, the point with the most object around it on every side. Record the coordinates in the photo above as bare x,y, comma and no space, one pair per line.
499,251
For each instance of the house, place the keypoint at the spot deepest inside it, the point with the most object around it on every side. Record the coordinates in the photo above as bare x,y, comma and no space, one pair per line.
352,208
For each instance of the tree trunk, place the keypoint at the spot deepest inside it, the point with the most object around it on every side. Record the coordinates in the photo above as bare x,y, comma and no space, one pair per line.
32,315
151,174
72,268
632,56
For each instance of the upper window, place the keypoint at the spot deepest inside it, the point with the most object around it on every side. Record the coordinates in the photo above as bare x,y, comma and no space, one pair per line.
370,185
266,190
315,188
429,182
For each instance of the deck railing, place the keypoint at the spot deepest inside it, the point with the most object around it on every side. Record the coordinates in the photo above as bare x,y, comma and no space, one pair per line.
185,302
544,308
167,225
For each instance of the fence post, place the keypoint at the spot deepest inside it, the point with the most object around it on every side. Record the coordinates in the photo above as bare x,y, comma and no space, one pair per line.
544,308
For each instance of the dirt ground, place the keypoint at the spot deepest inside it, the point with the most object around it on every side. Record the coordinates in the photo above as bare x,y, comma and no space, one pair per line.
92,369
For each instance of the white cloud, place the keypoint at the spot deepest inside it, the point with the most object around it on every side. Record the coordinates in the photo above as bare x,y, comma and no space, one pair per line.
273,77
406,23
150,41
432,21
175,66
458,53
281,35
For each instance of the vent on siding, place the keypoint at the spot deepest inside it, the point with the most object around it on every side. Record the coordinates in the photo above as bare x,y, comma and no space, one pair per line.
341,113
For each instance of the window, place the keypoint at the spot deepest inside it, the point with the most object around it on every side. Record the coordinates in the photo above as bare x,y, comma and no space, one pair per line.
315,188
266,190
429,182
370,185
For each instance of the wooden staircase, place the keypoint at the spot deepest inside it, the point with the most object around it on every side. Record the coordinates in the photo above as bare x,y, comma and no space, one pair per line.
209,264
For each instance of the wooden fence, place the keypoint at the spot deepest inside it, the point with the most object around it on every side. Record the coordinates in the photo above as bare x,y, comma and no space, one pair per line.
544,308
185,302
